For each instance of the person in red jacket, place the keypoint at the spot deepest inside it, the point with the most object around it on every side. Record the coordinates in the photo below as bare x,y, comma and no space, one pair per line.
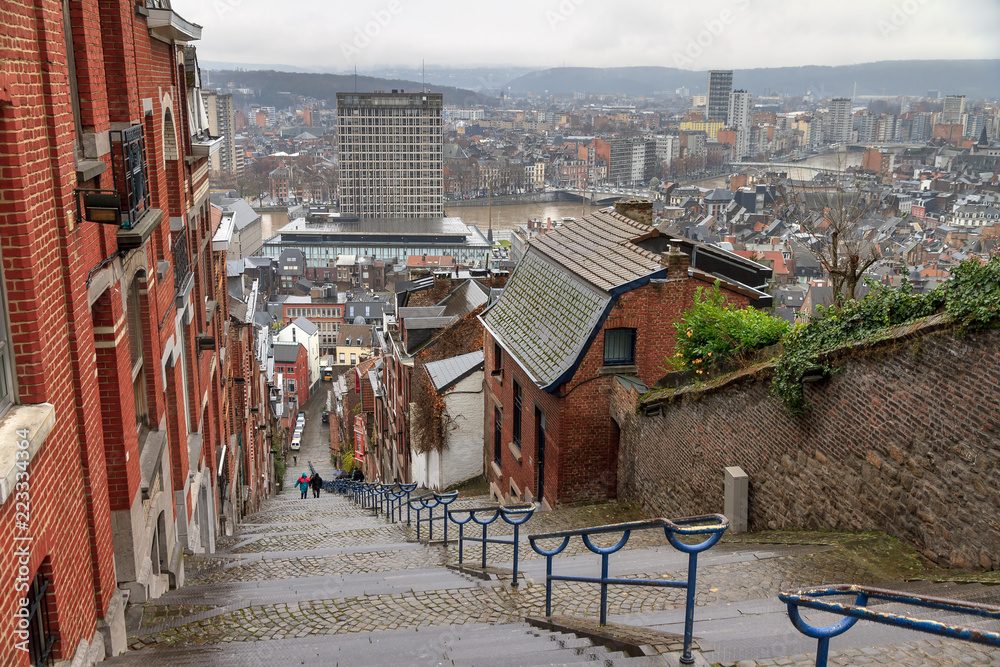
303,484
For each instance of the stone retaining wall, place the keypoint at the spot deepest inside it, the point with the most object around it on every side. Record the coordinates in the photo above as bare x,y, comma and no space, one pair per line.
904,439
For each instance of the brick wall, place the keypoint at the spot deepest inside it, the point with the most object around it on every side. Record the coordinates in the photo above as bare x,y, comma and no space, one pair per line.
905,439
581,451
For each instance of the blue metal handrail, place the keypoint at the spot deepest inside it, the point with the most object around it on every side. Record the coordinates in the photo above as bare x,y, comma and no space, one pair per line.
515,515
712,525
394,496
430,502
852,613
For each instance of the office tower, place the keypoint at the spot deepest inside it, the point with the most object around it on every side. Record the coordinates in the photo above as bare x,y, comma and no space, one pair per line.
740,102
220,124
841,123
720,84
391,154
632,161
954,107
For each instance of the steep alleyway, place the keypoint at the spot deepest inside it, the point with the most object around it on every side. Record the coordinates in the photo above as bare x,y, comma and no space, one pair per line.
323,582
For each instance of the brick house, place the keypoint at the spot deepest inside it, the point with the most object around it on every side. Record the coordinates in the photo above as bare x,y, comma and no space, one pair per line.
420,334
111,335
590,300
292,361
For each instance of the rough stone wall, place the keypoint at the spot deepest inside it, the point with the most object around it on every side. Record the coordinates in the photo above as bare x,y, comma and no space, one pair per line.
904,439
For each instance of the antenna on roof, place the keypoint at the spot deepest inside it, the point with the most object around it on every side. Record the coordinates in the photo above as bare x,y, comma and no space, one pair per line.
423,75
355,77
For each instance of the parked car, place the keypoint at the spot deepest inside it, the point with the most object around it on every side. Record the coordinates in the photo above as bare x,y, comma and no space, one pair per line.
326,417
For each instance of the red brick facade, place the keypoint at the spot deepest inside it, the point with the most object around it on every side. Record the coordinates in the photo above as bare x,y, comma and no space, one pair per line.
581,439
119,360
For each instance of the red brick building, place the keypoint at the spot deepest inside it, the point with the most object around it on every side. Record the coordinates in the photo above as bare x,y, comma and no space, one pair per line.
112,412
590,303
292,361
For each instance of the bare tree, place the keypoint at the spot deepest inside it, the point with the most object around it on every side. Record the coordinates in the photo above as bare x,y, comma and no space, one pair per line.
836,220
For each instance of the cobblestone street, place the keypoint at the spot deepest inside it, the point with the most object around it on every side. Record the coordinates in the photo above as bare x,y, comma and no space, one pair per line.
305,579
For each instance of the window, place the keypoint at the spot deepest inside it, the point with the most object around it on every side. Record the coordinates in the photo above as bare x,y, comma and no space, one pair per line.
6,353
497,434
497,356
135,334
341,357
354,358
517,414
619,347
40,637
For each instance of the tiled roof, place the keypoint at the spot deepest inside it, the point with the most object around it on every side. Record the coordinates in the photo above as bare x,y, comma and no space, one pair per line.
465,299
559,293
545,317
597,249
309,328
286,353
447,372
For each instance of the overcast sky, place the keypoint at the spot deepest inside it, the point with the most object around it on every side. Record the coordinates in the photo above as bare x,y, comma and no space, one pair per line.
697,35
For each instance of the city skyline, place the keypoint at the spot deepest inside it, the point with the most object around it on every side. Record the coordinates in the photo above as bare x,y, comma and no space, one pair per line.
725,34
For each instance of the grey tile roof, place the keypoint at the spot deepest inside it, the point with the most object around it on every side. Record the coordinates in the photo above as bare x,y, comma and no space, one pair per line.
428,322
559,293
447,372
545,316
421,311
597,248
308,327
465,299
286,353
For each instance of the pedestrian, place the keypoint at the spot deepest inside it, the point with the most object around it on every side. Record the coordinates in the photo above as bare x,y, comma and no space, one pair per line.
317,484
295,460
303,484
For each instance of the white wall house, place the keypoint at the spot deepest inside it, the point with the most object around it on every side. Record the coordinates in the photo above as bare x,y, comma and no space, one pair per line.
303,331
459,381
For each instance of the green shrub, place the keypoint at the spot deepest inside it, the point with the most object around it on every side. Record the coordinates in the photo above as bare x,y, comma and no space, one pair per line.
279,471
713,331
971,299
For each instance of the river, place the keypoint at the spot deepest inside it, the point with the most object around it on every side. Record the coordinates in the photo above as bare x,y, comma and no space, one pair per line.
509,216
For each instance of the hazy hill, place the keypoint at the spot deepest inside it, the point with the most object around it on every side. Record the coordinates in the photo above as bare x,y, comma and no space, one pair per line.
974,78
273,87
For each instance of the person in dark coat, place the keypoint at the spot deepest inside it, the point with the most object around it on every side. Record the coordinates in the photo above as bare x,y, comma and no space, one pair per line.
317,484
357,475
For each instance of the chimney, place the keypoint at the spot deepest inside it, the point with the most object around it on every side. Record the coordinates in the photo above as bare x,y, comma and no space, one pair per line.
548,224
676,262
640,210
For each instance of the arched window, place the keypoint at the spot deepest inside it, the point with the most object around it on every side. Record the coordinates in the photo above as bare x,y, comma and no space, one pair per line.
170,150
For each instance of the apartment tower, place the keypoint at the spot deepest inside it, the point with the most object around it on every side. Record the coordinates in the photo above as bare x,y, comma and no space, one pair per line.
720,84
841,121
391,154
740,103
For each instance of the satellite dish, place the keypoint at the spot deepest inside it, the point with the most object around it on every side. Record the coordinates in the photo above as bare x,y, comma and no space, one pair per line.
359,320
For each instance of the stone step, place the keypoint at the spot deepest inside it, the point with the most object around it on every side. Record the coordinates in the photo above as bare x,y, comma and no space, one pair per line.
522,637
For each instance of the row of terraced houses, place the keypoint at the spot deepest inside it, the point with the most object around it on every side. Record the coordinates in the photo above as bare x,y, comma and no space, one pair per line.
134,420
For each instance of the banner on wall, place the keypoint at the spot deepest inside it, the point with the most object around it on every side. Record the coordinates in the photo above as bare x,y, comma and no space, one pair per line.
359,439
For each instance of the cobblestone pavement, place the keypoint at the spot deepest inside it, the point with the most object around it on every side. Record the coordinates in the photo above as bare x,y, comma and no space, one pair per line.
324,567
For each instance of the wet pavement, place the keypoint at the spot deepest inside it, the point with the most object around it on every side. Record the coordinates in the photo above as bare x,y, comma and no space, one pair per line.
321,581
